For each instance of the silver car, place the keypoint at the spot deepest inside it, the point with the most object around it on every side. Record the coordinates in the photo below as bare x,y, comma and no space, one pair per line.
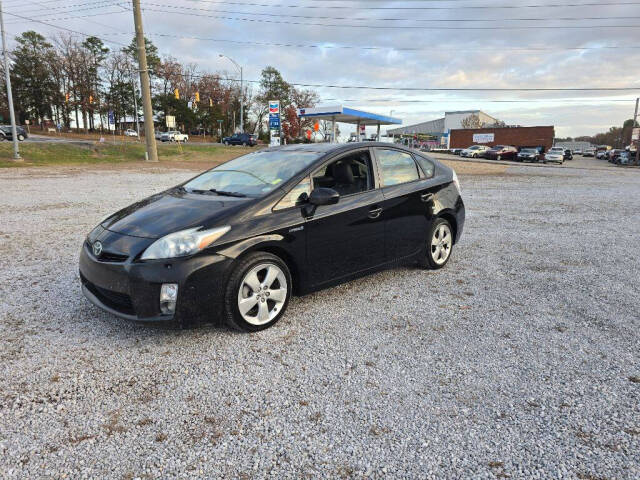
474,151
555,154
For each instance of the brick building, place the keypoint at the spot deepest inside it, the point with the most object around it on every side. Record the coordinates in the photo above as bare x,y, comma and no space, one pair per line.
516,136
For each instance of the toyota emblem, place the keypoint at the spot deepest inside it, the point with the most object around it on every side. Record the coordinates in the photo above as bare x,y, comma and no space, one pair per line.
97,248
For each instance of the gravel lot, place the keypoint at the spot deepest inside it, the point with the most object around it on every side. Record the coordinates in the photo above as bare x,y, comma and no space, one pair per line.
520,359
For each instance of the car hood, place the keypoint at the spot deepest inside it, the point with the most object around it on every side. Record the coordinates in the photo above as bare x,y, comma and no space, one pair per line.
171,211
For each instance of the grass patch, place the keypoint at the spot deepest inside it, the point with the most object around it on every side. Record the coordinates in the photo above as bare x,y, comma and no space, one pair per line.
42,153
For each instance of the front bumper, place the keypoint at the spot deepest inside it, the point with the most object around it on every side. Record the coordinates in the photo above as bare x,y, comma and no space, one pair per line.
131,289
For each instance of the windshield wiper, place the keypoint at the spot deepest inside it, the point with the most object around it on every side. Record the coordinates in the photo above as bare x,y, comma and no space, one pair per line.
227,194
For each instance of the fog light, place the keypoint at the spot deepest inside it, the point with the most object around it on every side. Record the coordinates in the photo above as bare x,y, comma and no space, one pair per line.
168,298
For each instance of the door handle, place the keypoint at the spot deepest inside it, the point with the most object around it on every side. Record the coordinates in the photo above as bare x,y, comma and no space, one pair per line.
375,212
426,197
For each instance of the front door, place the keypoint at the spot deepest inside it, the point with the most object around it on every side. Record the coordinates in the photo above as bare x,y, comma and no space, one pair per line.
348,237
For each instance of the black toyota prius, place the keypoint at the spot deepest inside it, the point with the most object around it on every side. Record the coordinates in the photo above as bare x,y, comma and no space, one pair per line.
235,242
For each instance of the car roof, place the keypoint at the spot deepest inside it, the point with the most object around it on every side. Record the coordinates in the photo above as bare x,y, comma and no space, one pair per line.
339,147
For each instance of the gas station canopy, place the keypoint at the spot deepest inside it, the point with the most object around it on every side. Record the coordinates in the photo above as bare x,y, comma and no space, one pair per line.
343,114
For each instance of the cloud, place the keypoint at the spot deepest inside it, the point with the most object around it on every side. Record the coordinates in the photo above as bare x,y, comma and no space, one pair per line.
457,57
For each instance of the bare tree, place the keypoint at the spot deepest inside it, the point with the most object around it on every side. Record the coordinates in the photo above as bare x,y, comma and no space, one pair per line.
472,121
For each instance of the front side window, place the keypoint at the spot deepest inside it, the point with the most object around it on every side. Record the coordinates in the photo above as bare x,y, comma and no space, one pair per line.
296,196
255,174
396,167
348,175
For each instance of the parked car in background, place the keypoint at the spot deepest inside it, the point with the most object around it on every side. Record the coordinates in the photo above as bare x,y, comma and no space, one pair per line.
555,154
129,132
158,134
232,244
502,152
456,151
474,151
577,152
624,158
567,154
613,154
244,139
602,154
529,155
174,136
589,152
7,134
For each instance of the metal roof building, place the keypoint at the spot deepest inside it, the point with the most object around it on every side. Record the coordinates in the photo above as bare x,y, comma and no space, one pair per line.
440,126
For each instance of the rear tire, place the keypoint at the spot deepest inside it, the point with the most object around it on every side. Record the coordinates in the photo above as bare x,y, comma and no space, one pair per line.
439,245
20,137
261,283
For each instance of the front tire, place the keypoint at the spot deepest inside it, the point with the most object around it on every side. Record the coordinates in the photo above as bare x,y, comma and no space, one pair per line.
439,245
258,292
20,137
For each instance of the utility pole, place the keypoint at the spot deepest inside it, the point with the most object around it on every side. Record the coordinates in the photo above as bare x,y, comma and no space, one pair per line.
635,123
145,87
7,75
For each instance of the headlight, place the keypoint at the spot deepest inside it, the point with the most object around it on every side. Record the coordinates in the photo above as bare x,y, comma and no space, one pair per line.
183,243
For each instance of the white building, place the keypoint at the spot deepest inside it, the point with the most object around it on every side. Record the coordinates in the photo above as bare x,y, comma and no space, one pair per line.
439,129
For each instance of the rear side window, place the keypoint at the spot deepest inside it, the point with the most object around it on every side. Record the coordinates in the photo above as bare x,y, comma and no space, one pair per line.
396,167
427,167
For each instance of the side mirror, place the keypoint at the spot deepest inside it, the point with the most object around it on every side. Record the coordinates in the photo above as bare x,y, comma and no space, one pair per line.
323,196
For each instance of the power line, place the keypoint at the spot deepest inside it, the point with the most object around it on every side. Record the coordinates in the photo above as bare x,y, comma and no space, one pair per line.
399,49
66,29
386,27
467,100
394,8
424,20
94,4
379,88
15,22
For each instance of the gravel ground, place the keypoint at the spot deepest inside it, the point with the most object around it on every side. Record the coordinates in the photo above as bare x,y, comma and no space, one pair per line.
518,360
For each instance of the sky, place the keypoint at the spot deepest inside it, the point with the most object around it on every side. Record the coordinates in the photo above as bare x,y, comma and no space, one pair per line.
399,45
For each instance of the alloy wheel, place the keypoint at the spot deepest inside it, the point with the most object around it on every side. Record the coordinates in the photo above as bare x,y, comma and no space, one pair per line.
441,244
262,293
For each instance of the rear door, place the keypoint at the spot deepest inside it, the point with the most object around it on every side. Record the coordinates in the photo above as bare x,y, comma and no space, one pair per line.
408,190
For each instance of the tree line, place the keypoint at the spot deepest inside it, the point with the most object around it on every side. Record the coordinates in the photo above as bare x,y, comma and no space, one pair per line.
68,81
617,137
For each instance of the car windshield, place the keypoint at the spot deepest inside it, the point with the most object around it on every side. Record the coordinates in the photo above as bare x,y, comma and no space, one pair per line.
557,150
475,147
255,174
528,150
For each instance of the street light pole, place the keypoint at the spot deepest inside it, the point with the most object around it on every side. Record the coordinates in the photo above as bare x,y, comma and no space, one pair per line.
7,75
135,105
241,91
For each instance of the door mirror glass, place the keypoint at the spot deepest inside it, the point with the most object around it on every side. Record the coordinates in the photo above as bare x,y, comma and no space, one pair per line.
323,196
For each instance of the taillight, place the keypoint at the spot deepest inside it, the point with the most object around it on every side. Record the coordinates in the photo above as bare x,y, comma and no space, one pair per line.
455,181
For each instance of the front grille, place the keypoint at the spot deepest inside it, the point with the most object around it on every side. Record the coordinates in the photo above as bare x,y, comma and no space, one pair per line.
107,256
116,300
